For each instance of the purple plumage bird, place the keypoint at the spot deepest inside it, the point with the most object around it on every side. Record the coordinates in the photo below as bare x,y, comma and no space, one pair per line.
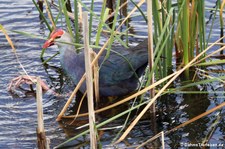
119,73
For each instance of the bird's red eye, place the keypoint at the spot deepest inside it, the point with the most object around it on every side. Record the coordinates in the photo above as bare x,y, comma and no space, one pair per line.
57,34
57,37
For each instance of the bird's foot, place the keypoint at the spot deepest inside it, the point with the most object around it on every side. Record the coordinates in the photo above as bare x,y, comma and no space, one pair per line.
25,79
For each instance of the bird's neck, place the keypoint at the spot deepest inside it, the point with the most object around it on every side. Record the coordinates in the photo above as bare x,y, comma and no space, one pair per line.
66,52
65,44
64,48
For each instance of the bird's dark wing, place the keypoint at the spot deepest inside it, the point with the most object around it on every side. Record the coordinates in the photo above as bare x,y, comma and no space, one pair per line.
123,64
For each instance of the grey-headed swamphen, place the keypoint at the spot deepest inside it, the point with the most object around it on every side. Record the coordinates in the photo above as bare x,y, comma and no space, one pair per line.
117,77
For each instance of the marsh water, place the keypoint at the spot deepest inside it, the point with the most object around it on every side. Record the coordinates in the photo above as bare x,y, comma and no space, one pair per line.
18,115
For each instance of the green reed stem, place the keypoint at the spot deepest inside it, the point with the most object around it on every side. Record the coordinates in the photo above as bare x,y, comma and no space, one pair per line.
100,23
68,24
201,22
112,34
193,29
76,22
185,30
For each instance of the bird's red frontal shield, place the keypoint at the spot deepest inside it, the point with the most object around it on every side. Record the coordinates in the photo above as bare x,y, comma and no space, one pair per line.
55,34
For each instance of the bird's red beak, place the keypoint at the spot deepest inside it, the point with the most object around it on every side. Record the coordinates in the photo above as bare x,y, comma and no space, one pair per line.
48,43
55,34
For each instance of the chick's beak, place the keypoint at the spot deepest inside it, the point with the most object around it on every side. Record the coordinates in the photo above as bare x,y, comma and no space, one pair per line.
48,43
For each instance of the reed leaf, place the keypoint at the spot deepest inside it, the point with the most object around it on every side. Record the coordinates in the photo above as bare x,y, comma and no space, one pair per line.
112,34
76,22
100,25
185,30
201,25
68,24
213,62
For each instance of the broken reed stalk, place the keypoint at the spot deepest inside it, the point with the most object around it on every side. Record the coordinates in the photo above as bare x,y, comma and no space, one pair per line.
96,77
89,82
41,137
42,141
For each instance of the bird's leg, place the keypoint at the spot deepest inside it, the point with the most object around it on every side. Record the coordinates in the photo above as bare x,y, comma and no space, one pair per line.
31,88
